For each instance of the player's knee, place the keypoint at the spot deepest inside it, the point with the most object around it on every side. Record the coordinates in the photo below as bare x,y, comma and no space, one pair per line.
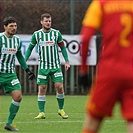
17,98
42,89
60,90
58,84
16,95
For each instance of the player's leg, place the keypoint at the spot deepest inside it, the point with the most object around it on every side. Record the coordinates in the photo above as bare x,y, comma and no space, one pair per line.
12,86
59,94
42,81
130,126
41,101
127,106
100,103
57,78
91,124
60,99
13,109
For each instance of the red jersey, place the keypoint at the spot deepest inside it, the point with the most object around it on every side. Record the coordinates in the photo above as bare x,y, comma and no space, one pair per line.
114,18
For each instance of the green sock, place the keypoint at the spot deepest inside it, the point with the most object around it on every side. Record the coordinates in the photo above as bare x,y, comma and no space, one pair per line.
41,103
60,100
14,107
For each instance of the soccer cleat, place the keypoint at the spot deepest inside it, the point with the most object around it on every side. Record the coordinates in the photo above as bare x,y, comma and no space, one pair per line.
40,116
10,127
62,114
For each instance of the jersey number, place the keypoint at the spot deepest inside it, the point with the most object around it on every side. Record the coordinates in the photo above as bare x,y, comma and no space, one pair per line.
126,21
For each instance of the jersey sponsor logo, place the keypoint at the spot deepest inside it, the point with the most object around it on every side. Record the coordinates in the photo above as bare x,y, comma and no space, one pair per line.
9,51
14,81
46,43
42,77
58,74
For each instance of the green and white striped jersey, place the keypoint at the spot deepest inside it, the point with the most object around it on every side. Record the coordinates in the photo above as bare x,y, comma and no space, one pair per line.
8,50
48,51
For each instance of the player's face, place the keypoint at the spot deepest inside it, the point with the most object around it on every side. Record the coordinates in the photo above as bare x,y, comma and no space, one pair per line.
10,29
46,23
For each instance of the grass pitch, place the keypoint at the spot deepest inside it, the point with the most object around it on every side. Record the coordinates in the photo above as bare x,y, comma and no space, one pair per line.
74,107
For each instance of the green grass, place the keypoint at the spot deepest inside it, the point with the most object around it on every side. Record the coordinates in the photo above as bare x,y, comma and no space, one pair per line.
74,106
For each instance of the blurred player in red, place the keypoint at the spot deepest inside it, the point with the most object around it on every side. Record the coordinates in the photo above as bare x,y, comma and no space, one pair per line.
114,76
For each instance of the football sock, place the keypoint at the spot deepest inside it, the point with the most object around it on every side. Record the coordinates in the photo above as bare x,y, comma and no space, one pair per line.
60,100
41,102
13,109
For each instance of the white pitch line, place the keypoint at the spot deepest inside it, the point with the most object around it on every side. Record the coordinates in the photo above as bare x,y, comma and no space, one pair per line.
114,121
65,121
46,113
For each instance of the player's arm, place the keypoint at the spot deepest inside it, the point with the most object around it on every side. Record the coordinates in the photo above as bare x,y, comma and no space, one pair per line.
86,34
91,23
63,50
65,55
30,47
22,62
21,59
28,51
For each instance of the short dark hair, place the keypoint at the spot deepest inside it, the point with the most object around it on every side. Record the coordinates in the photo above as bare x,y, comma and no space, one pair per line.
9,20
47,15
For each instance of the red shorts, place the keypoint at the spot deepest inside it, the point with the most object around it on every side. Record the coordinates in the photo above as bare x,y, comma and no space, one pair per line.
109,88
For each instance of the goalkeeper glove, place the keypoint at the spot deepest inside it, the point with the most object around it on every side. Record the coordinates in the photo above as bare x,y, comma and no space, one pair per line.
30,74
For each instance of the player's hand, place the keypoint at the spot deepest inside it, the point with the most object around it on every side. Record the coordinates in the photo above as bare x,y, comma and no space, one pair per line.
67,65
83,80
30,74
